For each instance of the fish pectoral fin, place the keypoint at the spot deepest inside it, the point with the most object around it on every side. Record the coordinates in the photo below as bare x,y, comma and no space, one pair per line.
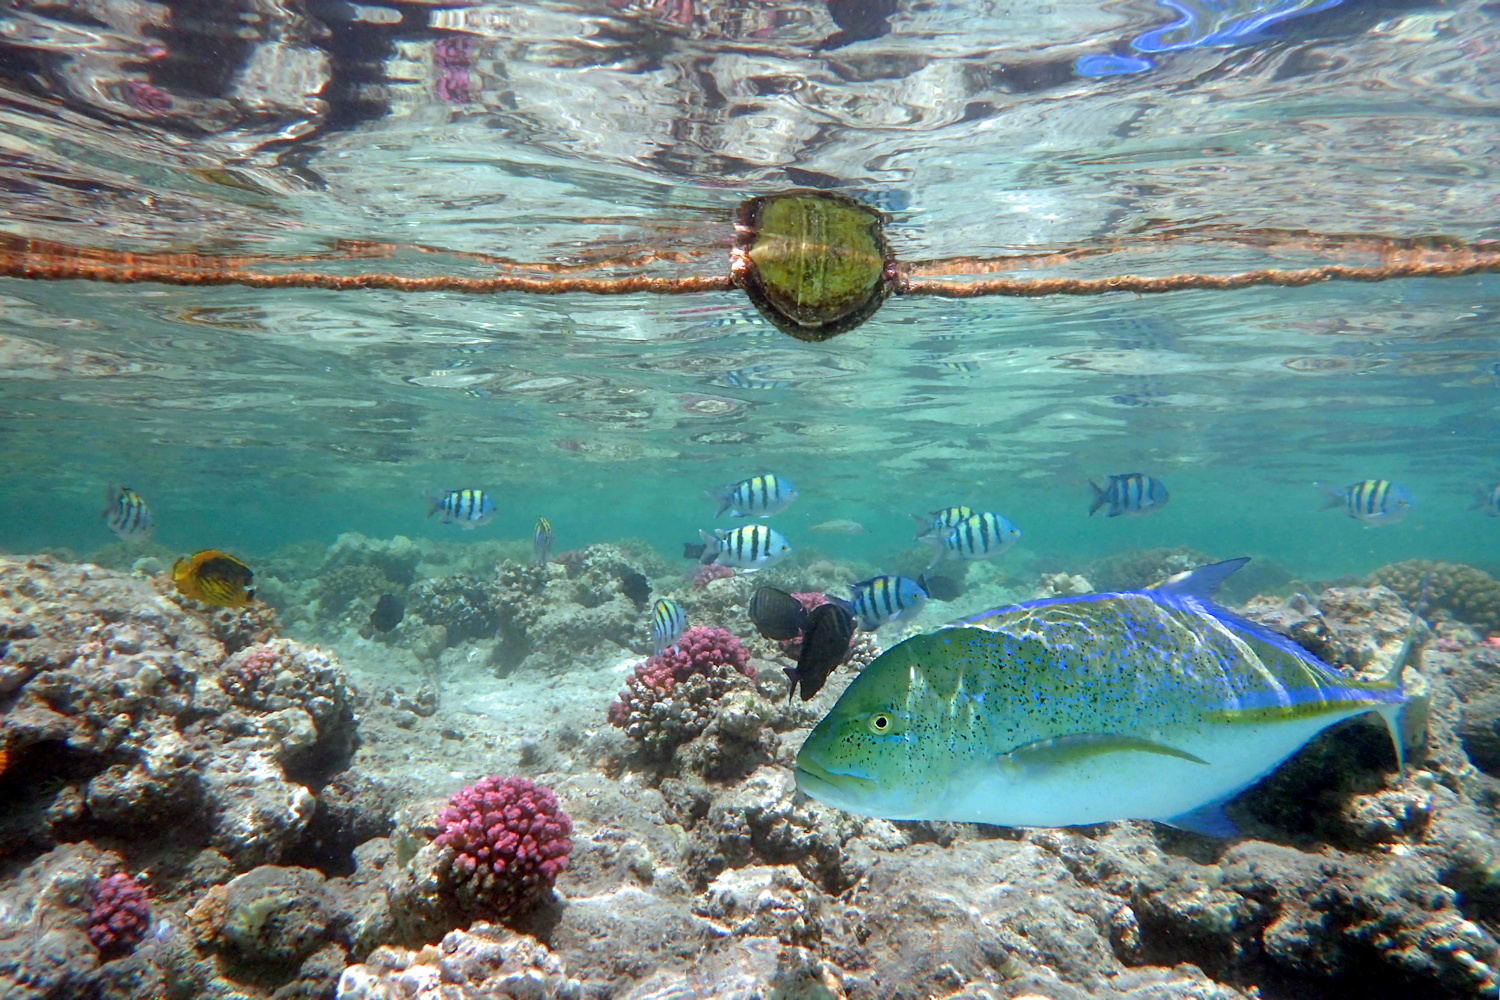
1081,746
1208,819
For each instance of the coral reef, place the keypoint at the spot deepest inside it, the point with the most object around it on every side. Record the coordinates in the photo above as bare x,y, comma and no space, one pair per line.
284,675
480,963
508,840
706,874
118,914
1452,589
111,728
356,568
672,697
461,603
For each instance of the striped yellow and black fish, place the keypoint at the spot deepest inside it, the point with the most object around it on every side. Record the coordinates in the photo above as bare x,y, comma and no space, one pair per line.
750,548
126,514
466,508
1487,498
977,536
541,540
1128,493
214,577
758,496
941,522
1373,501
881,600
667,622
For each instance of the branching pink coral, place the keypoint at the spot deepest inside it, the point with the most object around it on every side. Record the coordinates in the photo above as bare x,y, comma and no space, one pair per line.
698,650
118,915
510,840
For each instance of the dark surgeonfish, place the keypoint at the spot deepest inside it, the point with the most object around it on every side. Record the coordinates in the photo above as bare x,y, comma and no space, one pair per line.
943,588
388,613
777,614
825,643
636,587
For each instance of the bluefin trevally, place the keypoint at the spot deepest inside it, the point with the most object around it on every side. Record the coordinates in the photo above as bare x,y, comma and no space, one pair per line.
1153,704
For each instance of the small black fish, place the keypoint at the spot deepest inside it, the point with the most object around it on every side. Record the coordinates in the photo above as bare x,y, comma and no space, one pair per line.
777,614
636,587
943,588
824,646
388,613
693,550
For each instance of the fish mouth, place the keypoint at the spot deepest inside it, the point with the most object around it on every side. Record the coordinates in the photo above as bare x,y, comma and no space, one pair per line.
813,778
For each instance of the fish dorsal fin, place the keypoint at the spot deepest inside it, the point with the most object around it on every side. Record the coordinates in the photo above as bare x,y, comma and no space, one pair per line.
1080,746
1203,581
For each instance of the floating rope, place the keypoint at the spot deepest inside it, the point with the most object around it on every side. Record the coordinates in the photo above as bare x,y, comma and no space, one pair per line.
816,244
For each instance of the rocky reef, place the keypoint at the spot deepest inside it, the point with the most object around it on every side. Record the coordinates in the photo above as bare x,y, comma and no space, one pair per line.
201,811
1449,590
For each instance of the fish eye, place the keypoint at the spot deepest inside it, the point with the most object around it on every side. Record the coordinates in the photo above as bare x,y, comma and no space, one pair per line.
881,723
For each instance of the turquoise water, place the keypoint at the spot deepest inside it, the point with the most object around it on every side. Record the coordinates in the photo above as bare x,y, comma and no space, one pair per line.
251,420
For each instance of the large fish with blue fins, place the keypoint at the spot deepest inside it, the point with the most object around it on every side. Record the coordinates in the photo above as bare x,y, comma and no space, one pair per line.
1153,704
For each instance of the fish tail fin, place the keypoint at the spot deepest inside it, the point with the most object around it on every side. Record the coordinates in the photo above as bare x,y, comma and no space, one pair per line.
112,493
1331,497
434,502
710,547
1203,580
1406,718
1099,497
924,525
725,497
1391,716
1481,497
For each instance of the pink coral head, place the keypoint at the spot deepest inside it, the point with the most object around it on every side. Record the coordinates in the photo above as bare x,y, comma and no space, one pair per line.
704,575
810,601
513,829
118,915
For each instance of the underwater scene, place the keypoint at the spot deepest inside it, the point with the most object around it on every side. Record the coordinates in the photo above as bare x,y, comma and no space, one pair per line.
780,499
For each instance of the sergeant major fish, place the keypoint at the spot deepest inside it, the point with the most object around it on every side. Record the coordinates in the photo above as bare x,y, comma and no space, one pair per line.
941,522
667,622
1128,493
977,536
541,540
881,600
1153,704
467,508
751,378
1487,498
126,514
758,496
1373,501
750,548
